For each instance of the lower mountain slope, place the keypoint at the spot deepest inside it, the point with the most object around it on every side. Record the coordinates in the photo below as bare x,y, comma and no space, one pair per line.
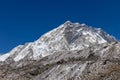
72,51
98,62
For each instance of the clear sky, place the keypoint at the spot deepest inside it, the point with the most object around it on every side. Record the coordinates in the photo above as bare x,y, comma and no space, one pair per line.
24,21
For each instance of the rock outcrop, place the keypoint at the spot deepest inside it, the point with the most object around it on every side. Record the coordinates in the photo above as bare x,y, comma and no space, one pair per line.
72,51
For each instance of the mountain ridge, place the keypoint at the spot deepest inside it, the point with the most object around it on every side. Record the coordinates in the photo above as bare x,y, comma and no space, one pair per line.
67,36
72,51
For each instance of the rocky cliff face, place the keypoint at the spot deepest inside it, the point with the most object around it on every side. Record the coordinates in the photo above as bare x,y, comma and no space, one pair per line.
67,37
72,51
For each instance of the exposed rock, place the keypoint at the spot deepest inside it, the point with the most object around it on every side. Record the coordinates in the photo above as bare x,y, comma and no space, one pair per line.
72,52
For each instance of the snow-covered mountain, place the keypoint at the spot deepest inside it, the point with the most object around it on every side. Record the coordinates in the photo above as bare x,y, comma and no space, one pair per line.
72,51
67,37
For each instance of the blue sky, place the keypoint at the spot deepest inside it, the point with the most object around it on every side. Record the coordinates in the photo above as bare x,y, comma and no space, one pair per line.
24,21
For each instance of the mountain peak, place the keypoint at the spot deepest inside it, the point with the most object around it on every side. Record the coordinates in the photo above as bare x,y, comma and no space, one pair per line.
67,37
68,22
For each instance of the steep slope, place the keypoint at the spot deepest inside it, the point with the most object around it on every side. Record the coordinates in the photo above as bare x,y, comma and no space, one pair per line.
72,51
67,37
99,62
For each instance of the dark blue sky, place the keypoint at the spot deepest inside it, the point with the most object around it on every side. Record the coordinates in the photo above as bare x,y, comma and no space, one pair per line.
26,20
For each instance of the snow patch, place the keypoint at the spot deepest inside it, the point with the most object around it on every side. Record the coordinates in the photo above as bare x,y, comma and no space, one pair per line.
23,53
4,57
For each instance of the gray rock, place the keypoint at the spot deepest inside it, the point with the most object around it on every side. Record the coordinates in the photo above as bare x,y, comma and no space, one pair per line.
72,51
